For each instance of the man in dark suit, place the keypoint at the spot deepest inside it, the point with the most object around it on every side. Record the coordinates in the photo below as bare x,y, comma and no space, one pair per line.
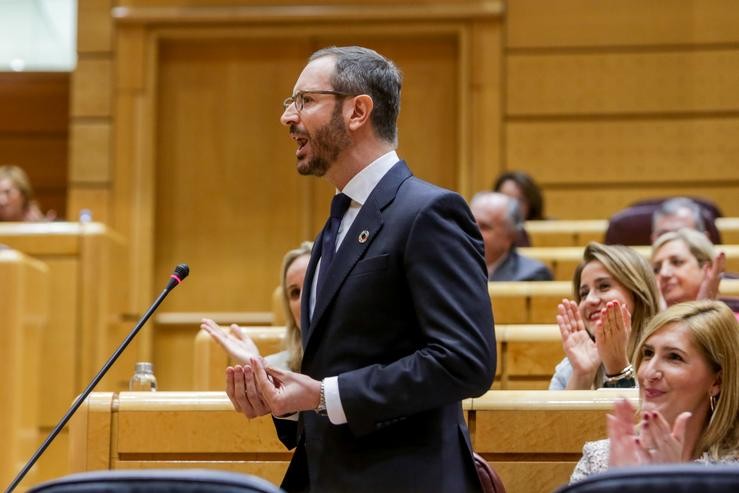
500,222
397,323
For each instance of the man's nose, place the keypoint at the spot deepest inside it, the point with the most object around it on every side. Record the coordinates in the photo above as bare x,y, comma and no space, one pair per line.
289,116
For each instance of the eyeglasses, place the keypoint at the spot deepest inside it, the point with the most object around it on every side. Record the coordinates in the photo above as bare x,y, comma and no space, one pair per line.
299,98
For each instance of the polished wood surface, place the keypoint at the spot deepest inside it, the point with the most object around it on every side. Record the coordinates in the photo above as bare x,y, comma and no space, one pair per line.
24,305
87,294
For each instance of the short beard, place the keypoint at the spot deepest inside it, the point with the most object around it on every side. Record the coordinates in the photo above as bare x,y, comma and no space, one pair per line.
329,141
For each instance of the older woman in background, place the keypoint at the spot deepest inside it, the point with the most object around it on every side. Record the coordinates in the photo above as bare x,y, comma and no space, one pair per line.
687,266
615,296
688,371
240,347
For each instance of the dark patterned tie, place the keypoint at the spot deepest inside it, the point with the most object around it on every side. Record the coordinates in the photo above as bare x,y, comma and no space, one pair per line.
339,205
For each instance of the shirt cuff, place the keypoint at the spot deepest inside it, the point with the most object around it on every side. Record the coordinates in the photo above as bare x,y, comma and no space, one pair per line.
333,401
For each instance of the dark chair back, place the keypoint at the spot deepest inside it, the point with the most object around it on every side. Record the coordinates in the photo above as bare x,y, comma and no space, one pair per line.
633,225
157,481
668,478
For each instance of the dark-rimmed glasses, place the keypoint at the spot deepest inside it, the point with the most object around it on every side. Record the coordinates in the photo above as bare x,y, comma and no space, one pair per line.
299,98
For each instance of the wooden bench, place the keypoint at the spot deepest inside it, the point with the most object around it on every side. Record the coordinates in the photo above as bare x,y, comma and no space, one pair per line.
88,296
527,355
581,232
562,261
24,305
532,438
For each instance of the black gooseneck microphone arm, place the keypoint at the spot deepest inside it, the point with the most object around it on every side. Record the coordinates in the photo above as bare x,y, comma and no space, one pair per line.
180,273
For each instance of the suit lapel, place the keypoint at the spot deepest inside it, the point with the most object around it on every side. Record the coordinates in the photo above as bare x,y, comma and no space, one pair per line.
352,249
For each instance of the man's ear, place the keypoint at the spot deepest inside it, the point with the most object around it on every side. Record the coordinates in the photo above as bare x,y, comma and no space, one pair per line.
361,111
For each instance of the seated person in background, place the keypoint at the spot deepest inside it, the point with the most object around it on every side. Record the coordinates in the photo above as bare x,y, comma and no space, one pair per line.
240,347
499,218
16,197
615,296
687,365
677,213
687,267
523,188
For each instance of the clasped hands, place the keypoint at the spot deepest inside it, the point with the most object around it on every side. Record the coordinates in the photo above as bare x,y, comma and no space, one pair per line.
586,353
654,444
256,389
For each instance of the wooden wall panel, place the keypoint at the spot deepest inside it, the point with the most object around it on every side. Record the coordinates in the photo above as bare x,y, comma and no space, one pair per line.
623,83
90,152
600,202
584,23
91,87
34,130
95,199
644,151
95,26
227,199
610,103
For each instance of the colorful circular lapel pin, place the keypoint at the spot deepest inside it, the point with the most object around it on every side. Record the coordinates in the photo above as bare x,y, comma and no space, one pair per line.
363,236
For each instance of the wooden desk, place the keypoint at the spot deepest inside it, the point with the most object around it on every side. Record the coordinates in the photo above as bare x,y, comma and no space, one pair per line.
534,439
86,265
173,430
24,305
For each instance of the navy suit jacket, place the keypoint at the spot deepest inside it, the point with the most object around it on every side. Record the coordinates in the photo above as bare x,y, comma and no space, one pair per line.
404,320
517,267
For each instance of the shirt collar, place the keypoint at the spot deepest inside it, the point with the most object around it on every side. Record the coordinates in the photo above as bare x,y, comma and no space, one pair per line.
362,184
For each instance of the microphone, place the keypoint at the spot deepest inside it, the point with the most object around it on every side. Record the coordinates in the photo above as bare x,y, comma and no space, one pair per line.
179,275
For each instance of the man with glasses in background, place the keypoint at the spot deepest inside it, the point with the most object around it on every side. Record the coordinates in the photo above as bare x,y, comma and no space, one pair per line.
397,323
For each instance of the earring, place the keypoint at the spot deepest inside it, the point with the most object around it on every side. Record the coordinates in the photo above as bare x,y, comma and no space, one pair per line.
712,400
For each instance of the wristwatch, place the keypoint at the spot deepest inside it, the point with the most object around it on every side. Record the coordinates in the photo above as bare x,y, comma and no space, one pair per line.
321,409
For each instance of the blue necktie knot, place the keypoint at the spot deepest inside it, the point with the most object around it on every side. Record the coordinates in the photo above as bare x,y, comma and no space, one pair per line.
339,205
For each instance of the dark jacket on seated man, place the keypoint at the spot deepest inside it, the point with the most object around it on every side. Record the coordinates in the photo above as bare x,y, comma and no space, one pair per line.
516,267
500,221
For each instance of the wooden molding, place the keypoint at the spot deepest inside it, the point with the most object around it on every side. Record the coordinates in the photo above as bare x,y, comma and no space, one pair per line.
300,13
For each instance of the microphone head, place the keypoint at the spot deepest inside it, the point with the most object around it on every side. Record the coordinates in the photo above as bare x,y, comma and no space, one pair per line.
182,271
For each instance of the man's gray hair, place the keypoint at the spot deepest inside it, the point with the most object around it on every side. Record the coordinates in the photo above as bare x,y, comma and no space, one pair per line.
364,71
673,206
514,216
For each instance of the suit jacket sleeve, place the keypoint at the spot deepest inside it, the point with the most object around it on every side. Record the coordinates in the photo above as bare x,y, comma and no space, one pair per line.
447,278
